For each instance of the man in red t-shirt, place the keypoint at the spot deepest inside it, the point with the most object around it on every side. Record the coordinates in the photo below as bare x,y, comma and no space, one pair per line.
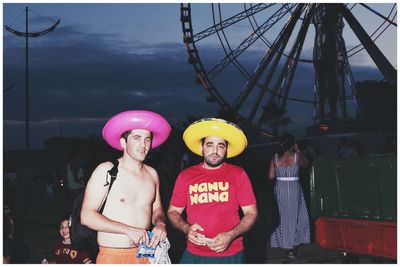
212,192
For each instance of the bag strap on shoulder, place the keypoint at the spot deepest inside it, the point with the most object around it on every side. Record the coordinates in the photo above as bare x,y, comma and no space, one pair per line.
113,174
114,171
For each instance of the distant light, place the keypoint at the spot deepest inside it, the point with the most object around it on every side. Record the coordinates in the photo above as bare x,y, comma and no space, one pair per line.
323,127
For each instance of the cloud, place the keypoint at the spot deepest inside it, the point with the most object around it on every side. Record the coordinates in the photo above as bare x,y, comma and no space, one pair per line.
79,79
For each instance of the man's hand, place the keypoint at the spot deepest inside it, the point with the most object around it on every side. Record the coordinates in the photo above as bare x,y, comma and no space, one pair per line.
159,234
221,242
193,236
137,236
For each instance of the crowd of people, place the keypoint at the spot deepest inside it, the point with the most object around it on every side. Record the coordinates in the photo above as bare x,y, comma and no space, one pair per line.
147,203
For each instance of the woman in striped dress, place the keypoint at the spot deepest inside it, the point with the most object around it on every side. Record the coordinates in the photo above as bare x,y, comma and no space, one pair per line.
294,227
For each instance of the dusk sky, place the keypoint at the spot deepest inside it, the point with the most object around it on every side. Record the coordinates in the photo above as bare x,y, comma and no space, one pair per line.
107,58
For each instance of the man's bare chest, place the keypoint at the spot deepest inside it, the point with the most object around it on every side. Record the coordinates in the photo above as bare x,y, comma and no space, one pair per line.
131,190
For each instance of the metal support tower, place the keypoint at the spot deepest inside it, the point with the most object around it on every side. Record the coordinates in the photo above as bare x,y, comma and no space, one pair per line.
28,34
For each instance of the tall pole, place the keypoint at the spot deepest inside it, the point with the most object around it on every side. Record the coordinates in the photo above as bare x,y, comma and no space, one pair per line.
27,139
28,34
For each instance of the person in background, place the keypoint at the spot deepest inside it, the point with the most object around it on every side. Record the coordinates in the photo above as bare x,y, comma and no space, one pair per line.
308,149
15,248
75,182
63,252
294,228
353,149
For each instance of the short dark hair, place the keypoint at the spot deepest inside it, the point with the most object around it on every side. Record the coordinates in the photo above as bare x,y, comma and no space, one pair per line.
127,133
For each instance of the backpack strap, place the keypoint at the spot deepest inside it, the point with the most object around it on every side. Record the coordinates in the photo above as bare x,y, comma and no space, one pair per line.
113,174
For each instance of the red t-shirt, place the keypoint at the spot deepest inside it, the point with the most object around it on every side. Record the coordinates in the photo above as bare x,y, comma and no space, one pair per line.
212,199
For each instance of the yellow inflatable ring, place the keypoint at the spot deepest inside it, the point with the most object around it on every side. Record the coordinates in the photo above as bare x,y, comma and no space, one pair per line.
230,132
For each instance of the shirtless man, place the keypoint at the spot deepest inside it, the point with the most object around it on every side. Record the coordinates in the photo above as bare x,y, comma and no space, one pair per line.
134,201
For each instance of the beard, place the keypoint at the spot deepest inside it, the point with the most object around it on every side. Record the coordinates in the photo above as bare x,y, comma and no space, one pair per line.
214,162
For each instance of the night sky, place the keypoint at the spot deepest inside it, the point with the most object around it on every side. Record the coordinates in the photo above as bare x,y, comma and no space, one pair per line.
108,58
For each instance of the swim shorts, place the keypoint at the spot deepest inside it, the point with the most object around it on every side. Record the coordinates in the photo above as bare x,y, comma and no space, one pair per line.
119,256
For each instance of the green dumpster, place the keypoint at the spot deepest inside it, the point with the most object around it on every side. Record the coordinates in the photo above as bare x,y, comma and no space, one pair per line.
363,188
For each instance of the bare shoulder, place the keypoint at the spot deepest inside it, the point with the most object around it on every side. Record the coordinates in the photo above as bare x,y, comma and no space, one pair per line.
153,173
101,170
104,166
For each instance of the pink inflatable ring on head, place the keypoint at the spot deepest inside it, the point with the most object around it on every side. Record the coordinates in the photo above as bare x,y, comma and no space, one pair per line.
136,119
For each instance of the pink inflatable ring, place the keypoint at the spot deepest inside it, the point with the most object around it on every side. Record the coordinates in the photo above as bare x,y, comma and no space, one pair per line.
136,119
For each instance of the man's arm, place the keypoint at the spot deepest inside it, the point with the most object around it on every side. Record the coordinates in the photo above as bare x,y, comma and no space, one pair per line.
177,221
94,194
158,217
246,223
222,241
175,216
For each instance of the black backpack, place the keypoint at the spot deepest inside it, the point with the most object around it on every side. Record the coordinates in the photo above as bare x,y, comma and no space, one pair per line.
82,237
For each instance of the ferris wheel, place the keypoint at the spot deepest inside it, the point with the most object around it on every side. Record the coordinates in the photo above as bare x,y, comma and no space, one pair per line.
246,57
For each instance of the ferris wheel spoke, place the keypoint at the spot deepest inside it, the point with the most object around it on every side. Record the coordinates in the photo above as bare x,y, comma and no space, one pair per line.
291,62
380,15
283,83
274,53
254,25
225,43
286,9
377,56
230,21
259,32
379,33
373,34
281,45
361,48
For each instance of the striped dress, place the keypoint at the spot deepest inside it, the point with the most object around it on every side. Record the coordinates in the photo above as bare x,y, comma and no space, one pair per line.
294,227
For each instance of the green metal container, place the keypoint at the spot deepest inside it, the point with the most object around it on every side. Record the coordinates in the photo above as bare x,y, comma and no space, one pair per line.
363,188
